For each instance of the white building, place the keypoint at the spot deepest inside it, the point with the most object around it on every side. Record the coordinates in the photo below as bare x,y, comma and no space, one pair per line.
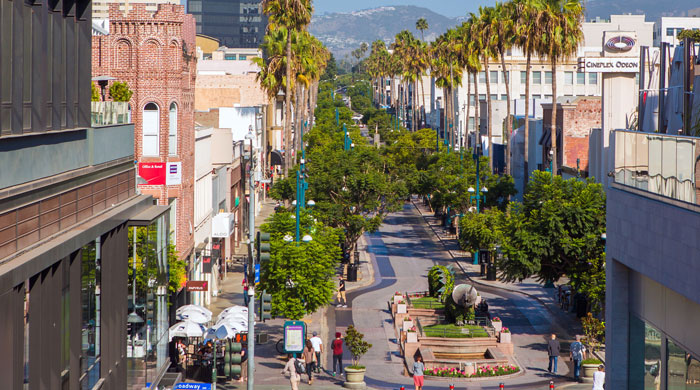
100,8
669,28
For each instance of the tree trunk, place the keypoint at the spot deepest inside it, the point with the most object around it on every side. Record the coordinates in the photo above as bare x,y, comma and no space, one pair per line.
477,123
553,125
526,133
288,108
422,111
509,118
466,120
415,105
312,108
298,96
488,111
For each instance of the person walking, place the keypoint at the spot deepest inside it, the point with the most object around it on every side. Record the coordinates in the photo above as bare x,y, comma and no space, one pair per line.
289,368
577,354
317,343
341,292
553,350
246,298
310,360
418,368
599,378
337,346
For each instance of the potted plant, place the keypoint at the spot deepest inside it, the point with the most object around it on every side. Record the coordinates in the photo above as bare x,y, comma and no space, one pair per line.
589,367
412,335
356,344
398,297
497,324
407,323
594,330
505,335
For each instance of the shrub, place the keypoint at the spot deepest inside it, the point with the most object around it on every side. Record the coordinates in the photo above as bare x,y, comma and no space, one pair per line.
120,92
591,361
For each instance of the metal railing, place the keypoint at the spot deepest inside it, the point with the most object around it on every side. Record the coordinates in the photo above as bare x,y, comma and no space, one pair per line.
667,165
109,113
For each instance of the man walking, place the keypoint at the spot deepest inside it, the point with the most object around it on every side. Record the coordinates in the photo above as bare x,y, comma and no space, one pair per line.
317,343
553,349
337,346
341,292
577,355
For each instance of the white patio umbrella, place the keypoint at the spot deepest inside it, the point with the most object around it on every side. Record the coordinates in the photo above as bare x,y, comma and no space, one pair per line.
233,309
194,316
234,316
198,308
186,329
221,331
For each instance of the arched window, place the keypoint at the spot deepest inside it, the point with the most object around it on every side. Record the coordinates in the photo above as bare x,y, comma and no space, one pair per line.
172,134
151,126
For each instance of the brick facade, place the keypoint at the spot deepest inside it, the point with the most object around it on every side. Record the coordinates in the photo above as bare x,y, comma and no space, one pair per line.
576,117
155,54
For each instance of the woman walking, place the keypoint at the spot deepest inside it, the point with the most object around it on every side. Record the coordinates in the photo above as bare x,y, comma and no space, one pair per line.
418,368
310,360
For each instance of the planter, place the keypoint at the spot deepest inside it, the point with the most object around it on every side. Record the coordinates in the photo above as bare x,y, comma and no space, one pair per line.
354,378
411,337
505,337
401,308
587,370
398,298
407,325
498,325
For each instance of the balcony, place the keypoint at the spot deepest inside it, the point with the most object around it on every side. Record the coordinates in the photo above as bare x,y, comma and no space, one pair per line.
660,164
109,113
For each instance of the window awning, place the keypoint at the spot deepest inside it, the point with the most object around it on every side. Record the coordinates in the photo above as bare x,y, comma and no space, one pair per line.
148,216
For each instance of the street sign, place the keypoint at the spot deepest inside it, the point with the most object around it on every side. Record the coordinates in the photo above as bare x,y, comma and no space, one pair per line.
257,274
192,386
197,285
294,336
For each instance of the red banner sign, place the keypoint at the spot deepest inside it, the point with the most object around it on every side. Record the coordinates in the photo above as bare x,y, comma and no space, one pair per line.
196,285
152,173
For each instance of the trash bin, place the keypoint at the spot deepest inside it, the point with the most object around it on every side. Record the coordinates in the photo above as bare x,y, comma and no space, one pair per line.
491,271
352,272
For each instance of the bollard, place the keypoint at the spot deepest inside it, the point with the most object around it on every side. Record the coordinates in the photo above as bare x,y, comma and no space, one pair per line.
501,386
402,388
452,387
551,385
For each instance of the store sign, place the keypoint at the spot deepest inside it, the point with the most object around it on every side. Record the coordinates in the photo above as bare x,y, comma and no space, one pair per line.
620,44
206,264
192,386
294,335
222,225
158,174
609,65
197,285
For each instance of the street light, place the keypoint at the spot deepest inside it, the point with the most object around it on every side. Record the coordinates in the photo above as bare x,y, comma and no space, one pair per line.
311,203
551,158
307,238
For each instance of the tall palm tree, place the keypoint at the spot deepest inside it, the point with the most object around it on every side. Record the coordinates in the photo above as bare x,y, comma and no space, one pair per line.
469,61
528,27
293,15
483,32
563,22
422,25
503,35
446,69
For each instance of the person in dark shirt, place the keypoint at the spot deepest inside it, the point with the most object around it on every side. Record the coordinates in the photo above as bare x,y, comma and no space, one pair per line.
341,292
553,350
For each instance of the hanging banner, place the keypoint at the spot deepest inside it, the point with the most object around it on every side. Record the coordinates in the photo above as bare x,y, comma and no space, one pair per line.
206,264
173,176
152,173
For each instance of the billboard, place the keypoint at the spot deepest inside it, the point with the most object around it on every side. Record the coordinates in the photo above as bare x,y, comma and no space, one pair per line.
160,173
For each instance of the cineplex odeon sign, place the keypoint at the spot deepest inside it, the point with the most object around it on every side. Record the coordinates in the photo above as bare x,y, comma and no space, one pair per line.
609,64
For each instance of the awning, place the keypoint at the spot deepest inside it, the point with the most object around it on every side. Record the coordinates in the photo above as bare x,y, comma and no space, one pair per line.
148,216
276,158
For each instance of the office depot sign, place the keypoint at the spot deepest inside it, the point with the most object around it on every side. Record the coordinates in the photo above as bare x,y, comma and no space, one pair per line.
609,65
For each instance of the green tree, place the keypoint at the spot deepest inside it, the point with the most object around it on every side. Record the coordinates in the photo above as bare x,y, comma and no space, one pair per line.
95,94
119,91
355,341
299,276
480,230
421,25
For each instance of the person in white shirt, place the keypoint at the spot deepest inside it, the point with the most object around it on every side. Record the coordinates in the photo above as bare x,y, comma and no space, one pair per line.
317,343
599,378
294,378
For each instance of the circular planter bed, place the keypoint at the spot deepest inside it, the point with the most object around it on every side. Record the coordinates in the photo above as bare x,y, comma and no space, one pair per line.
482,372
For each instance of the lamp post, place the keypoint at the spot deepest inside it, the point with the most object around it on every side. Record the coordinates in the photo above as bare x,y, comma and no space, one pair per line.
478,196
251,245
347,142
551,158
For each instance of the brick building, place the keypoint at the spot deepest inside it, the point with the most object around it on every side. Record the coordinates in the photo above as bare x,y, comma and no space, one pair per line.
154,52
576,117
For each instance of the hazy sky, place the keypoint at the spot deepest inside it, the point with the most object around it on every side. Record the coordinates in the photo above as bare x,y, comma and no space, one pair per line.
450,8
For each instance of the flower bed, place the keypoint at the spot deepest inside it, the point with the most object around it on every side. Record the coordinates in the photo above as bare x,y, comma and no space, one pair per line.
484,371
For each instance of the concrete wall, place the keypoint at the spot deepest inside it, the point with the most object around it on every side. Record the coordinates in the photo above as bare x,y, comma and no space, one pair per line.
26,159
652,271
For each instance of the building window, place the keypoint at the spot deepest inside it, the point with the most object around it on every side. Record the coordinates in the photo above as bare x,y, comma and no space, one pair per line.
523,77
669,32
482,97
683,368
172,132
91,280
504,97
151,126
537,77
522,96
569,78
548,97
482,77
472,100
548,77
242,57
506,76
593,78
580,78
230,57
493,76
494,96
471,123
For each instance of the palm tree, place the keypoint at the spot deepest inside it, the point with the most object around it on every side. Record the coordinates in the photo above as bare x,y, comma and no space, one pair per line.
446,69
503,30
469,61
483,33
294,15
421,25
563,23
528,27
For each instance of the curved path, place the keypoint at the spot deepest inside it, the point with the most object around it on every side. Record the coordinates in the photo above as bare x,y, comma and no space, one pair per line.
402,252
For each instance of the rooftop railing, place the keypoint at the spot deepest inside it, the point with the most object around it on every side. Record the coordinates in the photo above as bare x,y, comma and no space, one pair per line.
109,113
662,164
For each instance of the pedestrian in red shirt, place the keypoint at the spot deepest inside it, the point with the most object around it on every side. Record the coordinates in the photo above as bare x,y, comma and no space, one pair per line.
337,346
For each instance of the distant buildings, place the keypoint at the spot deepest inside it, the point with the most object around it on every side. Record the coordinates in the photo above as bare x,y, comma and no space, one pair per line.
235,23
669,28
100,8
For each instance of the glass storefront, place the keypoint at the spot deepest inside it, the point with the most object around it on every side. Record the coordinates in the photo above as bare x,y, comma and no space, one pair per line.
147,323
657,363
91,278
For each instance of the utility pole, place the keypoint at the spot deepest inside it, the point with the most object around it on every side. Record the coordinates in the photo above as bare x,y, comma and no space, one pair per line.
251,268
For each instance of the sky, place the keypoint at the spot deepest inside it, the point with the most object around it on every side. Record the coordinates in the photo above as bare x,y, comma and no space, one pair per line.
451,8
